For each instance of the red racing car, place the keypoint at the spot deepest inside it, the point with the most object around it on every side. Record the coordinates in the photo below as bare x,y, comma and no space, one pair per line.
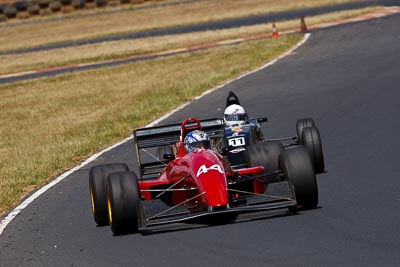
197,186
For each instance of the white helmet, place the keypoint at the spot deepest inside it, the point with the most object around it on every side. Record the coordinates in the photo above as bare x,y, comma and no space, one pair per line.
196,139
235,115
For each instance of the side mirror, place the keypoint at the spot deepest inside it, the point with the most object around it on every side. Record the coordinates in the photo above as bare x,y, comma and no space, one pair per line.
261,120
168,157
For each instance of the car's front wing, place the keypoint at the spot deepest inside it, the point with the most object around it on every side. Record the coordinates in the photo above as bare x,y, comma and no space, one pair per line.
255,203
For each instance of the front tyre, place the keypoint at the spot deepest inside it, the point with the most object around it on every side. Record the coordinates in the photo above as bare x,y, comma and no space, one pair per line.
123,201
97,189
297,168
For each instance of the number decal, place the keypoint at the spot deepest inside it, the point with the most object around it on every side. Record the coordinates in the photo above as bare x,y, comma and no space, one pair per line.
239,141
204,169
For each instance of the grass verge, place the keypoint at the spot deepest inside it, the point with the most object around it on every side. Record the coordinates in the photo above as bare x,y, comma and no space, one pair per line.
125,48
79,28
50,124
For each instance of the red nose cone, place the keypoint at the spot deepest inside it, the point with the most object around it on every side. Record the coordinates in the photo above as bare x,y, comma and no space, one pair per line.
211,178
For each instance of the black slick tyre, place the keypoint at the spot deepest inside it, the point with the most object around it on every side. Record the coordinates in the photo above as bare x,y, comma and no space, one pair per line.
78,4
55,6
300,125
97,189
101,3
2,7
10,12
21,5
33,9
266,155
312,141
65,2
123,200
297,168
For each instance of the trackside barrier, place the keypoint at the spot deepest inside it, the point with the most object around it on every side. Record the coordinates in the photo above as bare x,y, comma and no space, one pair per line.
24,9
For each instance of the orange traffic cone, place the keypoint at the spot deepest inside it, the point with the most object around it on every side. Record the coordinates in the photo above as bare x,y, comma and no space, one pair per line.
303,26
275,33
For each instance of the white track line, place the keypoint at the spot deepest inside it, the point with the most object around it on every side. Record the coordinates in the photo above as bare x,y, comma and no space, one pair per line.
31,198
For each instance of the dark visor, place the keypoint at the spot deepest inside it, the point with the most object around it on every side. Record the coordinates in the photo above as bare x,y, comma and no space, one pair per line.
235,117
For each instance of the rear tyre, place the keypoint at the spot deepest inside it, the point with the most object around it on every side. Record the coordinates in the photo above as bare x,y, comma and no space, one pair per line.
97,189
10,11
123,200
33,9
101,3
55,6
300,125
21,5
65,2
312,141
78,4
297,168
266,155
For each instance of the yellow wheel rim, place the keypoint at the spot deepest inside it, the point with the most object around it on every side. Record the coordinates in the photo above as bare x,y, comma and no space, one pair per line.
91,199
109,209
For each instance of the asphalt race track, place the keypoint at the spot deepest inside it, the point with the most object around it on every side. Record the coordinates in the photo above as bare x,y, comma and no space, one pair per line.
347,79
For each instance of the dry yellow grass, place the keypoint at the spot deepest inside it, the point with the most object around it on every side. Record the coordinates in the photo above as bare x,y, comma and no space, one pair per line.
120,49
77,28
50,124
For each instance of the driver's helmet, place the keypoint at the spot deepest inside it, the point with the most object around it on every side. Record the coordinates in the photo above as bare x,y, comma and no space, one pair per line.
195,140
235,115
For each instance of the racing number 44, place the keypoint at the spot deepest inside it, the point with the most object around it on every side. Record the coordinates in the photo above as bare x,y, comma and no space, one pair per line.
204,169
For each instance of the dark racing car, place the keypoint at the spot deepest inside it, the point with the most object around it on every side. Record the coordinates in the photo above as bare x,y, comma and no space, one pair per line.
245,138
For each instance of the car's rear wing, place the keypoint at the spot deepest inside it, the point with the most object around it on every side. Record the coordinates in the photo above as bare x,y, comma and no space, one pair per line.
168,135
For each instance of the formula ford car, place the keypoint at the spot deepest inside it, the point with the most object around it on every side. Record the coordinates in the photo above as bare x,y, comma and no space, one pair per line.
248,136
195,187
